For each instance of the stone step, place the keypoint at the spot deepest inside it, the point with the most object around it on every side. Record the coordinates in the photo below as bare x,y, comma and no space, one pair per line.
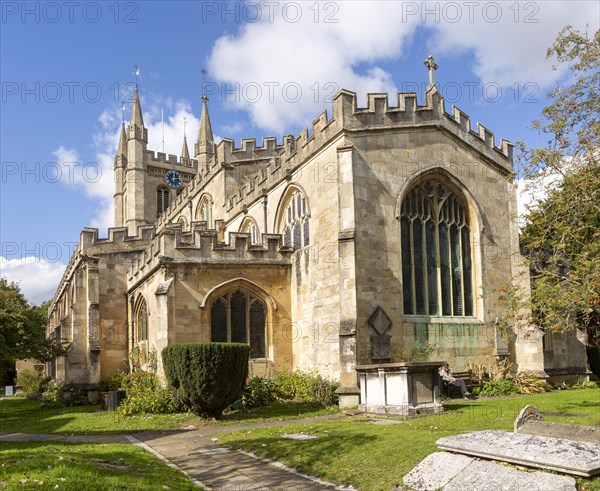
558,454
454,472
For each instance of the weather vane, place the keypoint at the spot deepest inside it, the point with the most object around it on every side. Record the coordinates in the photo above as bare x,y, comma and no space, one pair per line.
184,124
204,72
136,72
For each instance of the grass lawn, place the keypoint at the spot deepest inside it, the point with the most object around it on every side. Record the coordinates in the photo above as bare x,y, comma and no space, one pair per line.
75,466
376,457
26,416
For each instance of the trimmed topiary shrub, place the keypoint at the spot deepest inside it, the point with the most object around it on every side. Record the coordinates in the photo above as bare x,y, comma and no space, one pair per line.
206,378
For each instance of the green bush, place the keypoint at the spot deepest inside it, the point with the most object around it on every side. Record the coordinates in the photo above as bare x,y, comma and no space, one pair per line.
208,377
53,395
492,388
113,382
307,386
146,395
258,392
33,383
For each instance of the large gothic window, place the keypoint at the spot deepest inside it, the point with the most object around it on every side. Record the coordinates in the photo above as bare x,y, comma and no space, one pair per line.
204,212
436,252
141,321
295,226
162,200
239,317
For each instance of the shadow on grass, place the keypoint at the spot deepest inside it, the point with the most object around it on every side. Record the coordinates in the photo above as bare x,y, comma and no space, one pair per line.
84,466
316,456
28,416
283,410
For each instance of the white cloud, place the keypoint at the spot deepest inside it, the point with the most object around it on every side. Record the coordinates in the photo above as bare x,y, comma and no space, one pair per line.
97,178
509,40
266,62
508,45
37,277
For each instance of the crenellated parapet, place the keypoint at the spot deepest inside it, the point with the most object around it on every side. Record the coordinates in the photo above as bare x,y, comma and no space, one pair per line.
379,114
91,247
201,246
160,159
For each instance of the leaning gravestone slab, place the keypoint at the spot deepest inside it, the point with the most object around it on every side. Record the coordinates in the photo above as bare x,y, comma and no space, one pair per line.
578,433
567,456
454,472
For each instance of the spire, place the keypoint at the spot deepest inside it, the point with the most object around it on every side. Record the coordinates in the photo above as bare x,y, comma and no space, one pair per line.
136,113
205,142
122,150
184,150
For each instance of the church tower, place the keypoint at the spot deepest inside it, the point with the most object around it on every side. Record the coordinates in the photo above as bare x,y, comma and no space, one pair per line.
131,172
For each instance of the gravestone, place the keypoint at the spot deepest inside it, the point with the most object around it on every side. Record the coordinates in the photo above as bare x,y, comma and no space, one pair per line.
531,422
454,472
528,413
566,456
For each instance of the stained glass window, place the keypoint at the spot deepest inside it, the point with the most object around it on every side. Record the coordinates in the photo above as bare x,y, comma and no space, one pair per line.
436,252
239,317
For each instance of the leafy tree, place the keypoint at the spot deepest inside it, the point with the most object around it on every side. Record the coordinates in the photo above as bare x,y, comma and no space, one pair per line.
561,238
23,328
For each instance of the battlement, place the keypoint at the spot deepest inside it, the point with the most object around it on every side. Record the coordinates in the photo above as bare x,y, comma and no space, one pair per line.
378,114
201,246
162,159
90,245
248,151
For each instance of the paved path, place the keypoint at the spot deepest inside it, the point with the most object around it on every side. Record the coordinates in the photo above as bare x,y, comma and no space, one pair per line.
202,459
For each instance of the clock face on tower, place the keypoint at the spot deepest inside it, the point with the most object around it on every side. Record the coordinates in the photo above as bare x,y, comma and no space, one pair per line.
173,178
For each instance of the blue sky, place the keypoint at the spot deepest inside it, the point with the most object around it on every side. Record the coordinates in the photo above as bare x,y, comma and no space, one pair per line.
272,67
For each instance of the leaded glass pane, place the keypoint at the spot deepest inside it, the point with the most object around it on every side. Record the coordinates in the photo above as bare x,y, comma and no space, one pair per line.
432,285
306,232
445,269
287,237
218,321
257,330
466,258
297,238
456,271
238,317
419,278
406,268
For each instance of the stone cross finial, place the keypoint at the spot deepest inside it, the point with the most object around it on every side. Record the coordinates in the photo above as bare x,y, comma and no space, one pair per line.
432,66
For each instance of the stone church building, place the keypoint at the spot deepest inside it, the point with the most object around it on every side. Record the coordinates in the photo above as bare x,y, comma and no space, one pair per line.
369,238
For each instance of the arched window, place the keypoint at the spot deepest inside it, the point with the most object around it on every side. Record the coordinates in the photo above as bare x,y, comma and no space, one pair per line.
162,200
295,226
204,212
249,227
436,252
184,223
141,320
239,317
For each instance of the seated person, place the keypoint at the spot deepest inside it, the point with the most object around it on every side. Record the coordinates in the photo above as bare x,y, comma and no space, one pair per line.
446,375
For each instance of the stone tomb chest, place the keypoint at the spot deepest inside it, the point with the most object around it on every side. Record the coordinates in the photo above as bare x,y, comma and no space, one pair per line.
400,388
